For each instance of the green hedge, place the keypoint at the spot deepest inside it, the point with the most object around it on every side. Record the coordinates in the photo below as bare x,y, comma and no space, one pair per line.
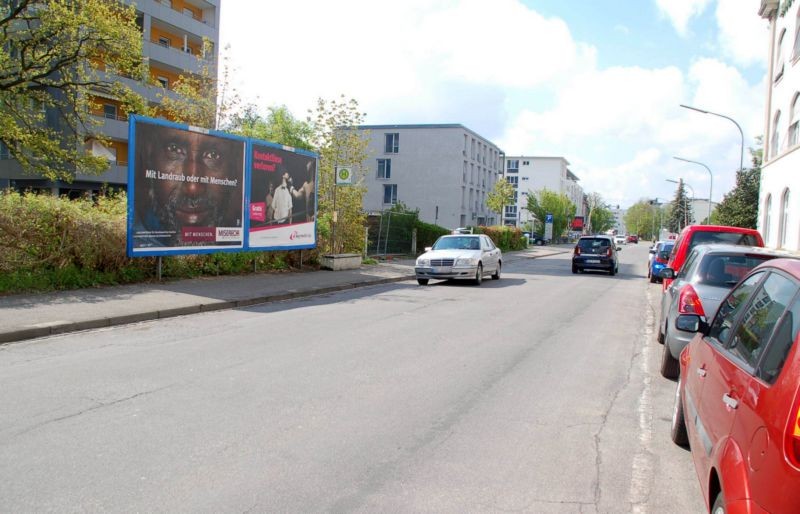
506,238
50,243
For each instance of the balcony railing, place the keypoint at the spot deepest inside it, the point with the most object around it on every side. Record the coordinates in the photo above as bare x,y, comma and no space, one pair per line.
189,14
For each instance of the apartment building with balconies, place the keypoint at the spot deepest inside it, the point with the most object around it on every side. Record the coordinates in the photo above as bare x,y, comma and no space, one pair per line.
173,34
445,171
779,195
530,174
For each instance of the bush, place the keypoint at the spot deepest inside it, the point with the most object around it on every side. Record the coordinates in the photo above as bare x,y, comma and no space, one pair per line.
50,243
427,234
506,238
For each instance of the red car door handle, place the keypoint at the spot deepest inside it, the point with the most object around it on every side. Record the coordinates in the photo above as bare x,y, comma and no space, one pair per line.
729,401
701,372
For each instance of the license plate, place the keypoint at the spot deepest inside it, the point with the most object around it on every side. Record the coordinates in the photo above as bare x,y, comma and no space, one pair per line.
592,261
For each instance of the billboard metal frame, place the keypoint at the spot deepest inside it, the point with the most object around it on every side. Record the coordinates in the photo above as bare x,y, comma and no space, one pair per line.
248,145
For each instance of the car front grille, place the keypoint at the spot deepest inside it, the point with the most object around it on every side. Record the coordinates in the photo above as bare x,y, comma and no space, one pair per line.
442,262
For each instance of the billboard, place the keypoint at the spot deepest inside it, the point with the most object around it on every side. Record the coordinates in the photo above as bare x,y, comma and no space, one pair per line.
192,190
283,197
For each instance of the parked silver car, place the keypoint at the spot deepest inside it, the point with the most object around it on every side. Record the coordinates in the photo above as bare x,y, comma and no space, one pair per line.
463,256
706,277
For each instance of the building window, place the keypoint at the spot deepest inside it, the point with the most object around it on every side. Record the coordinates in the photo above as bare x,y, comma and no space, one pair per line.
164,41
776,135
796,50
514,181
512,166
767,218
110,111
464,175
794,117
526,163
391,143
783,221
779,57
4,153
511,210
384,169
390,194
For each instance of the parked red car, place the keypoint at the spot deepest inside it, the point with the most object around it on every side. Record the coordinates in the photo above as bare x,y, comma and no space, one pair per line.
694,235
737,402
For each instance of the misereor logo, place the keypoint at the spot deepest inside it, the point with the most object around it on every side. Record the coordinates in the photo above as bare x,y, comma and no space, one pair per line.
229,234
297,235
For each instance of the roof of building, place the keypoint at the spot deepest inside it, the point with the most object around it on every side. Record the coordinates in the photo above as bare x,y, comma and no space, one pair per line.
428,126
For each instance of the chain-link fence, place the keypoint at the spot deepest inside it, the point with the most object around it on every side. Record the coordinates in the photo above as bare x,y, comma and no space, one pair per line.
391,233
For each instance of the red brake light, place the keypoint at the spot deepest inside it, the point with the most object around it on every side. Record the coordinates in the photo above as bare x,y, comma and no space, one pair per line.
793,438
689,302
608,252
577,250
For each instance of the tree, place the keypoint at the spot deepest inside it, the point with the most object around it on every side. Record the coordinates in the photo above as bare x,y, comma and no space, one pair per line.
202,99
739,207
602,219
545,202
500,196
53,55
334,138
279,126
681,213
641,219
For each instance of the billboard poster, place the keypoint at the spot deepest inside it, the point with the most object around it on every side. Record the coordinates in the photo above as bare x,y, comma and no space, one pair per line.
283,197
186,189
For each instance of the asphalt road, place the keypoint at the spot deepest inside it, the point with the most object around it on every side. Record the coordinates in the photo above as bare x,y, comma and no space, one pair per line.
536,393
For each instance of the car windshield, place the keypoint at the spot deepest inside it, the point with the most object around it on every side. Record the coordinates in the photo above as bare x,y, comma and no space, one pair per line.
457,243
727,270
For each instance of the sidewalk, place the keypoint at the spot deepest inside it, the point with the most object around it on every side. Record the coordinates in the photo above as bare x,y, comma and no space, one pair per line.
30,316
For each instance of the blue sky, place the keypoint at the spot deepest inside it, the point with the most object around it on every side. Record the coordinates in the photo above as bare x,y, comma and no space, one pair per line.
597,82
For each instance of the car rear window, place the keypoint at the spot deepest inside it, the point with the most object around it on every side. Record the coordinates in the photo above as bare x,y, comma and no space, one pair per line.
733,238
727,270
590,244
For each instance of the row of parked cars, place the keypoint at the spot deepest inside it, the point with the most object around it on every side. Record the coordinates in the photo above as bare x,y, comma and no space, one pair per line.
730,326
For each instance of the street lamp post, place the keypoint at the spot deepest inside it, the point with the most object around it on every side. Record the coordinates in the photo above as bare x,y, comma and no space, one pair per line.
741,153
710,183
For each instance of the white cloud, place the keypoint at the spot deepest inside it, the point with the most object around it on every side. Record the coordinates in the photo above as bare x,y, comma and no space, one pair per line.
680,12
514,76
743,34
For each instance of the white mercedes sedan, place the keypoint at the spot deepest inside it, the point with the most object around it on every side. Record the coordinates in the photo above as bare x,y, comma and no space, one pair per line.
462,256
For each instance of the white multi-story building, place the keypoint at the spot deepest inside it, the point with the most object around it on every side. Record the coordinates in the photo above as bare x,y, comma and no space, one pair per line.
445,171
173,33
530,174
779,197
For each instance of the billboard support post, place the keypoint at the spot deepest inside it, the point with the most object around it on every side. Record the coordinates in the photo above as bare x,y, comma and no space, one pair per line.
158,269
333,222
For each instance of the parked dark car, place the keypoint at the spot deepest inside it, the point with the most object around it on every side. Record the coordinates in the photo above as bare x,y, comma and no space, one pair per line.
536,239
737,402
595,253
708,274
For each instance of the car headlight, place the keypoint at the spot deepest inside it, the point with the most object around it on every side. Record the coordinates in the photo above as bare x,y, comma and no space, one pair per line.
466,261
423,262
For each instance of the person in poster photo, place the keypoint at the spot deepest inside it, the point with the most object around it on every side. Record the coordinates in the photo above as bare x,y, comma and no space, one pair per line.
282,202
304,195
185,180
